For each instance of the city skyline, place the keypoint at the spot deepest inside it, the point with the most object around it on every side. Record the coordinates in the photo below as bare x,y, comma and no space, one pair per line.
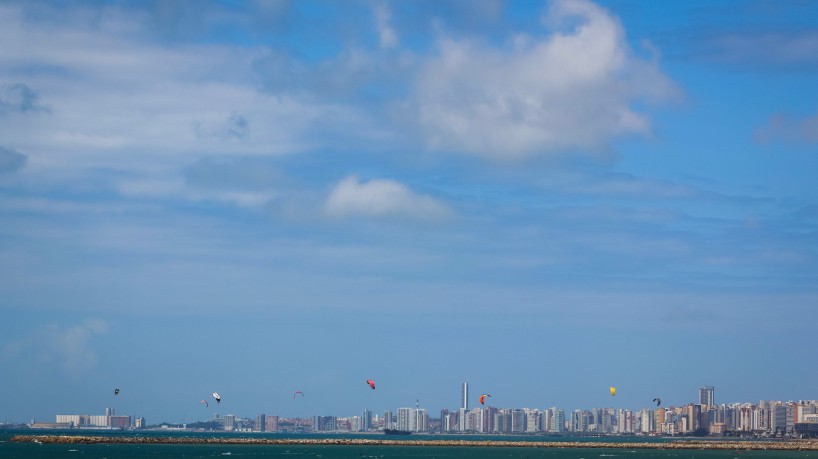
768,417
706,397
542,198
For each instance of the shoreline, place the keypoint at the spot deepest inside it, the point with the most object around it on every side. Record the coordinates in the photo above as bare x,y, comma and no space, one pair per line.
790,445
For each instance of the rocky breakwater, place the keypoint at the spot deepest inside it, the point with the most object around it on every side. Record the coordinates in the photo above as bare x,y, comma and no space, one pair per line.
791,445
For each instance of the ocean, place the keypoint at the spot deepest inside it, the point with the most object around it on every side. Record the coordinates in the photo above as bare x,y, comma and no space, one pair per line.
10,450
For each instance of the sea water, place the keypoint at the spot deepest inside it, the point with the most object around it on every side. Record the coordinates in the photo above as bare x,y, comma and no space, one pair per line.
12,450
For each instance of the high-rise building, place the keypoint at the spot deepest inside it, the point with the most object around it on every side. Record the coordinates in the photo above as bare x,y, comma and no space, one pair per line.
533,421
475,420
421,420
229,422
518,420
464,399
647,421
707,396
261,423
270,423
405,419
580,420
366,421
556,420
325,423
445,425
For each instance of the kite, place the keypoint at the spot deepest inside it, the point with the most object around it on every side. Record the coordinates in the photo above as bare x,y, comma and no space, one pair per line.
613,391
371,383
298,392
217,397
483,398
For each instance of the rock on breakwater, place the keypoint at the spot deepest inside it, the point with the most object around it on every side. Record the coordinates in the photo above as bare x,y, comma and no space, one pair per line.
791,445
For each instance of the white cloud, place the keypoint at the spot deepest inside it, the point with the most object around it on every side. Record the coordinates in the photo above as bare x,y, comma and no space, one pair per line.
119,100
381,198
765,49
386,33
789,129
573,89
73,346
176,188
70,347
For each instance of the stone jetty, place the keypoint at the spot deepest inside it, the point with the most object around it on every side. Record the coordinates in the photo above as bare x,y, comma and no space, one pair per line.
737,445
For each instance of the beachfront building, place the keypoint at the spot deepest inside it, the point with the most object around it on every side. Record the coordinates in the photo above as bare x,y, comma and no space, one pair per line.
270,423
405,419
580,419
325,423
229,422
94,421
533,421
366,421
556,420
646,424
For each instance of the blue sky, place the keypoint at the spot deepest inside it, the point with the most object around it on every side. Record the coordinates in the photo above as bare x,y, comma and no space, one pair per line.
541,198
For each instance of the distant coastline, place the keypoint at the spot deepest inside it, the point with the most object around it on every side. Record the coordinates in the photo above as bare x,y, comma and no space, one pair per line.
784,445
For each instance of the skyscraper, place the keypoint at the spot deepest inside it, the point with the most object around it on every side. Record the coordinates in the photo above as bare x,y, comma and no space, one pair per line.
465,397
707,396
366,421
405,419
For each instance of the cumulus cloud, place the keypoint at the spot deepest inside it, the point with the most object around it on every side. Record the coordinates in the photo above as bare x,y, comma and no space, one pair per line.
573,89
70,347
381,198
11,160
788,128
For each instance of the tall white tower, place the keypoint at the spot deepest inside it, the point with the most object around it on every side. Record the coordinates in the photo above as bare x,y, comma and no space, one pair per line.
465,397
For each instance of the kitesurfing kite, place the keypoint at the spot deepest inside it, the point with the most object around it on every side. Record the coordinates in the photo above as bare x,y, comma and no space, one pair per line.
204,402
116,391
217,397
298,392
658,401
613,391
371,383
483,398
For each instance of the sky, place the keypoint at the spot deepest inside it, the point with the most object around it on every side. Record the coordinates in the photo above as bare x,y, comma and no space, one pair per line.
544,199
